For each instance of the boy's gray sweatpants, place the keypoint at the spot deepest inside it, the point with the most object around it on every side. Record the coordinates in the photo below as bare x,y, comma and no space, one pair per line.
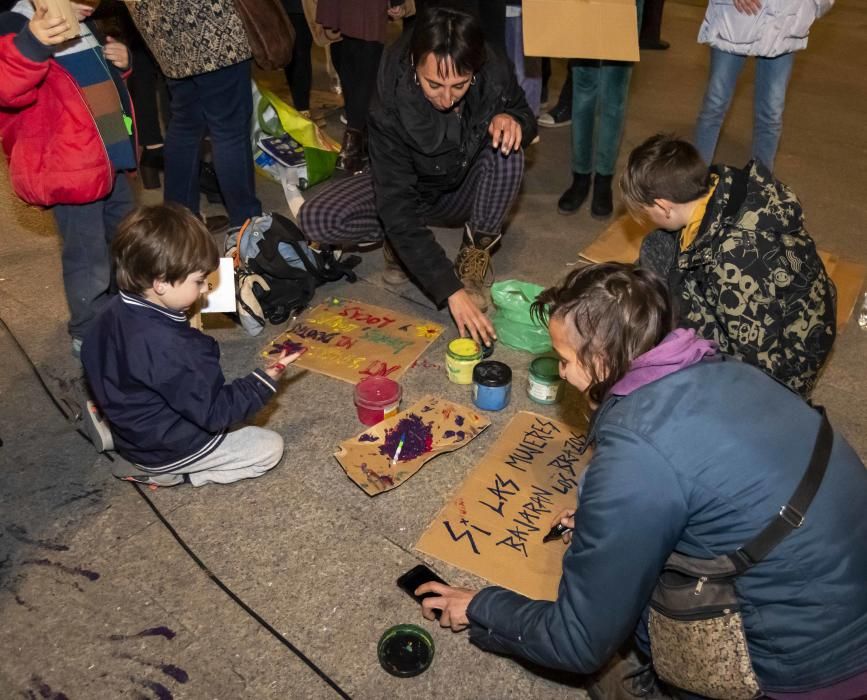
244,453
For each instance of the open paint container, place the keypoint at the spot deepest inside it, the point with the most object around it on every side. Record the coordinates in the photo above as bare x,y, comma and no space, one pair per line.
376,398
405,650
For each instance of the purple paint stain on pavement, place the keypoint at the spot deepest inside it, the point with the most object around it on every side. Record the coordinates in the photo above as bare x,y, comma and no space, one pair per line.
159,689
150,632
179,674
20,534
367,437
78,571
459,420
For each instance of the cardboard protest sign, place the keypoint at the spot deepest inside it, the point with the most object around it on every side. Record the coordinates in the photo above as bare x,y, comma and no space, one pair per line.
606,29
493,526
352,340
391,451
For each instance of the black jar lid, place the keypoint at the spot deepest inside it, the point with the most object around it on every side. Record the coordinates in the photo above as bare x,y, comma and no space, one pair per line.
492,373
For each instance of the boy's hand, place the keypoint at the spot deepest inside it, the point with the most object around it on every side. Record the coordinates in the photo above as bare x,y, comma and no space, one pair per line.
116,52
48,31
274,371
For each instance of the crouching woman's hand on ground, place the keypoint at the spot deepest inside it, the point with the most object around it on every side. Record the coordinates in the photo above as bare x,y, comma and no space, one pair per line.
469,319
451,601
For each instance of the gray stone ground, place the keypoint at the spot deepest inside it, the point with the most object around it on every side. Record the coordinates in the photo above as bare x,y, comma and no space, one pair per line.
97,600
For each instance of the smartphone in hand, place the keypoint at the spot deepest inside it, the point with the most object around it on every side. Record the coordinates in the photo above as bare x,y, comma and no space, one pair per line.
415,577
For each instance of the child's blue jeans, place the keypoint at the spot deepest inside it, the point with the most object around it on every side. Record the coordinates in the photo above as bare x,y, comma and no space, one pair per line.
87,231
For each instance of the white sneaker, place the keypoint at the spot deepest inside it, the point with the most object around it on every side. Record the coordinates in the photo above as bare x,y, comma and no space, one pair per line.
96,427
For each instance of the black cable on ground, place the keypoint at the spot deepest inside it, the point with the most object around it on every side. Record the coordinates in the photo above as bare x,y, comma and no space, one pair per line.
174,533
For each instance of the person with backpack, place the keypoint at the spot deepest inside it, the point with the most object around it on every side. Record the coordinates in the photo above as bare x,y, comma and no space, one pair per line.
694,455
741,268
66,123
446,137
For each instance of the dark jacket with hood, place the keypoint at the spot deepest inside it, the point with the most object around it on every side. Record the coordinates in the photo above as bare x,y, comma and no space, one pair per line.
752,279
698,462
414,164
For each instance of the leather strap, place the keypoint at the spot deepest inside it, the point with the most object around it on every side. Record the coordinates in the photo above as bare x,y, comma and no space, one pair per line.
793,514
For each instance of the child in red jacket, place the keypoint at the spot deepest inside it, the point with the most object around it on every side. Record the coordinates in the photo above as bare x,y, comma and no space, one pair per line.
67,130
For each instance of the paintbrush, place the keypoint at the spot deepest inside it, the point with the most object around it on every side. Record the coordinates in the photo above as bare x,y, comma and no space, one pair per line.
397,451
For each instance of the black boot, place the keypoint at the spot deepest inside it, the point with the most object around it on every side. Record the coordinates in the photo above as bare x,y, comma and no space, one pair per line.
574,197
149,167
602,203
351,158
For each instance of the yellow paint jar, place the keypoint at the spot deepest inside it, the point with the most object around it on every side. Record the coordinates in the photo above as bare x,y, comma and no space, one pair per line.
462,355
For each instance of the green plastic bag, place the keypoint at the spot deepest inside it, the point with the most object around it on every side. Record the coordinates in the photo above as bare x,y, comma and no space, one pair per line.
274,118
512,321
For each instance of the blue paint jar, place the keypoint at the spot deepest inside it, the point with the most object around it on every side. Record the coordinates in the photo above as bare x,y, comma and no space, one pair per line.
492,385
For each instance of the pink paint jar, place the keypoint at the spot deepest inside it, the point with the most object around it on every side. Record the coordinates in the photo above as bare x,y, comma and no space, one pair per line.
376,398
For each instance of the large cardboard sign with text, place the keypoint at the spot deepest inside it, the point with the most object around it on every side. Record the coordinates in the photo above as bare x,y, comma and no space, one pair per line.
493,526
351,340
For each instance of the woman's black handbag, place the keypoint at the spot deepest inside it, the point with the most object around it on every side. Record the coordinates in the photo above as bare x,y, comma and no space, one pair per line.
697,637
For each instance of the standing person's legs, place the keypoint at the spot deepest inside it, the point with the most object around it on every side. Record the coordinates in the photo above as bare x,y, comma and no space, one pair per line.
85,257
358,65
227,105
772,82
528,71
343,213
614,79
184,143
724,71
120,203
299,73
245,453
585,98
613,95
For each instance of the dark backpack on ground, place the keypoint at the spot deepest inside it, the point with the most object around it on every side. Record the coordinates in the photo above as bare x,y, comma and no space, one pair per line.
292,274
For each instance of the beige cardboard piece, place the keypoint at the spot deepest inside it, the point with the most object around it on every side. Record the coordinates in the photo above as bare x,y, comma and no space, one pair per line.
62,8
621,242
605,29
493,526
848,277
443,426
352,340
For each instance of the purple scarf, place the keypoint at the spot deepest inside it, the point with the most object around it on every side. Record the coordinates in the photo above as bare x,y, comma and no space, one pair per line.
679,349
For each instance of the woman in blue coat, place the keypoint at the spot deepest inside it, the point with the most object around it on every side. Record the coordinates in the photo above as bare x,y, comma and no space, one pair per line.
693,454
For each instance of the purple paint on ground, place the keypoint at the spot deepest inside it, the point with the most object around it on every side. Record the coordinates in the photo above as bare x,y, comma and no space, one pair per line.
78,571
150,632
459,420
367,437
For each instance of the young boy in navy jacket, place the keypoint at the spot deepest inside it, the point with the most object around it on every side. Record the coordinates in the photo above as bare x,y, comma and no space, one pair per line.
67,130
157,380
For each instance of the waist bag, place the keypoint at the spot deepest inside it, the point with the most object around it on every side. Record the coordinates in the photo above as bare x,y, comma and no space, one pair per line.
697,637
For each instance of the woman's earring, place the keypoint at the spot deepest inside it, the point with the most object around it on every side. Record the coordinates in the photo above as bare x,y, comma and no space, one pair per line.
473,80
415,78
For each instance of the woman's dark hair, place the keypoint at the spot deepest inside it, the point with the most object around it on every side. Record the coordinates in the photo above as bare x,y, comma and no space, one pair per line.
453,37
614,312
664,167
162,241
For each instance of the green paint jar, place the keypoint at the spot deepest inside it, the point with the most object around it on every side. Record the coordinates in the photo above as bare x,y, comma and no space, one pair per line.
462,355
544,384
405,650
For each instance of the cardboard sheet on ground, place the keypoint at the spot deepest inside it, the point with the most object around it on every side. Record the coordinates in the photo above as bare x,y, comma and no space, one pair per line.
430,427
493,526
352,340
621,242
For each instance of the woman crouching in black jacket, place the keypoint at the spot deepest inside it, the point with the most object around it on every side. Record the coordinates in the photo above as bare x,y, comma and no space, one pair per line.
446,131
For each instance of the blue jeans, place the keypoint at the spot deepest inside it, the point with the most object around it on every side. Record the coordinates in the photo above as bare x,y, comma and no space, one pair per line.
772,80
220,102
87,231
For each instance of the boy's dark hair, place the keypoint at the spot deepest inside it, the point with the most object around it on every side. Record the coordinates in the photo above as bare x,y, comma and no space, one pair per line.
163,241
615,312
452,36
664,167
